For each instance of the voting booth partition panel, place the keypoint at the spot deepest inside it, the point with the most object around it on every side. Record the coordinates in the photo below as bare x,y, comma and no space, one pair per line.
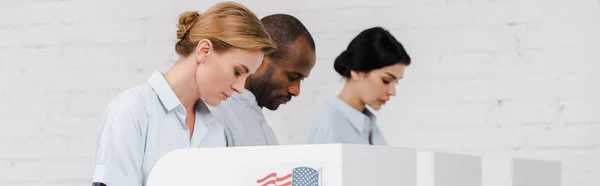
453,169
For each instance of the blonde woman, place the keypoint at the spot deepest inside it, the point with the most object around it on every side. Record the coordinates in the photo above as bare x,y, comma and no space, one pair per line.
219,49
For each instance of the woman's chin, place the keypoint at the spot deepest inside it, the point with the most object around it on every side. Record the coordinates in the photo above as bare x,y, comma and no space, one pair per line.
213,102
375,107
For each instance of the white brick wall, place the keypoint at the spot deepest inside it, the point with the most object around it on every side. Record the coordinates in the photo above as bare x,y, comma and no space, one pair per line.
517,77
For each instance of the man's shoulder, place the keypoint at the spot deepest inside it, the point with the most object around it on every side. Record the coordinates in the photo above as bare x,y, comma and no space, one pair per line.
230,106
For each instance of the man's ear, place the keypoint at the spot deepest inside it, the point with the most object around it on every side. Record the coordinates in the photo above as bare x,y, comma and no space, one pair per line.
263,66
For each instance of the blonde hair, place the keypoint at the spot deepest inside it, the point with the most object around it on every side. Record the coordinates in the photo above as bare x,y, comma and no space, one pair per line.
227,25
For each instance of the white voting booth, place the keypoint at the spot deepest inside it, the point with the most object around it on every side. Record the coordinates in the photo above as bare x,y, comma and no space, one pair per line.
345,165
332,165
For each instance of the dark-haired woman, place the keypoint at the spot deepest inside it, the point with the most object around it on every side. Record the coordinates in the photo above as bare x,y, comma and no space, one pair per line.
372,65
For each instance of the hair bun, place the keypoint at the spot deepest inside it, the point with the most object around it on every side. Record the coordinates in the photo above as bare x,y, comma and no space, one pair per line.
341,65
186,22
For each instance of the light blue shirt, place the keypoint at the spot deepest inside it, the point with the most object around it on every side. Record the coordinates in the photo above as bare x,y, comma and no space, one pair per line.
245,124
341,123
143,124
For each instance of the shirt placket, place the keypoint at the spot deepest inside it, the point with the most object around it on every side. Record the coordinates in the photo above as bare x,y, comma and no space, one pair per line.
181,115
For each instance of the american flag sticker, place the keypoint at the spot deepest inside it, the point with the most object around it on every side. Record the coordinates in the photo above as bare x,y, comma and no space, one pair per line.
300,176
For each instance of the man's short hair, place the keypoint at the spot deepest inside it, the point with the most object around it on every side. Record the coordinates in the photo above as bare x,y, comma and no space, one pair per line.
284,30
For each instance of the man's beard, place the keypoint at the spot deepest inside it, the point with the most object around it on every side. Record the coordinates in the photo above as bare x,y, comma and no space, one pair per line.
262,87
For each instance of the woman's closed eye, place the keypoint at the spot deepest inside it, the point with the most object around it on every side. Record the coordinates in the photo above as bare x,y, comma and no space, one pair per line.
386,81
237,72
390,78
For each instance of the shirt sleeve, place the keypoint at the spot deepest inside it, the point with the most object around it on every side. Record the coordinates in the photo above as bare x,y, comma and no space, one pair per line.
120,149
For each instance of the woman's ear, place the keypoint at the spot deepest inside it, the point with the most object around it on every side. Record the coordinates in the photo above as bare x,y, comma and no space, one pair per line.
355,75
203,50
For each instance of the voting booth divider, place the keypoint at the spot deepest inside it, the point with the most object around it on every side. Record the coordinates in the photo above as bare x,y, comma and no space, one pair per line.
346,165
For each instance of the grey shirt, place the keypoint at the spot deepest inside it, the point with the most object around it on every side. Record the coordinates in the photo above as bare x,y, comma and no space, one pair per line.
244,121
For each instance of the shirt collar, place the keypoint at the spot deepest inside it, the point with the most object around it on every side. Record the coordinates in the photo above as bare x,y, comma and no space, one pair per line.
164,91
360,120
202,108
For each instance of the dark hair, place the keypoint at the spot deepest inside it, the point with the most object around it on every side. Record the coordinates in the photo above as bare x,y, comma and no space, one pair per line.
372,49
284,29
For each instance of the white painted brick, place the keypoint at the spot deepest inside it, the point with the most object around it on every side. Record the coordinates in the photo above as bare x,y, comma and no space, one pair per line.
543,75
67,107
21,65
330,45
5,55
453,39
449,66
571,136
88,69
19,120
45,35
84,143
9,37
140,61
457,137
19,170
72,124
542,88
556,62
408,114
322,75
160,30
410,15
79,58
92,11
444,90
76,33
66,169
37,147
533,11
268,7
581,112
86,33
515,112
579,88
552,35
10,9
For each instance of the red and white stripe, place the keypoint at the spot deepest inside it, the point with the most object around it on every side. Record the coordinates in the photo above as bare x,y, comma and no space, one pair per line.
273,180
